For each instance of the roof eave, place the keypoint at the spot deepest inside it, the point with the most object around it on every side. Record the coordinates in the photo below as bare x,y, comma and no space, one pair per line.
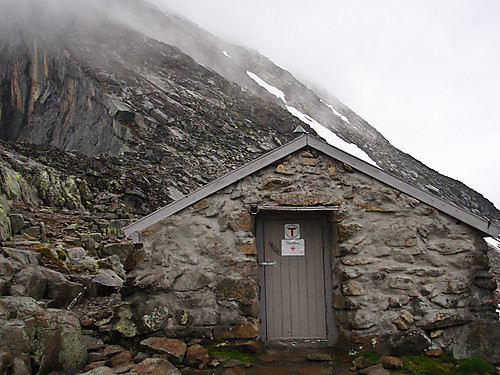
483,225
216,185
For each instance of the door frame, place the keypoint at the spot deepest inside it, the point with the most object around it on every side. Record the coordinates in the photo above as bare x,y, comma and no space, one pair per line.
331,329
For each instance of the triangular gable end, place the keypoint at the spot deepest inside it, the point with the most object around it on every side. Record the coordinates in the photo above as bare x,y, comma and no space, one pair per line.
458,213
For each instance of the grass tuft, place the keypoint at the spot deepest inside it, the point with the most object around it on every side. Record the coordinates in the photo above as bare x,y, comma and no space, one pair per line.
233,353
476,365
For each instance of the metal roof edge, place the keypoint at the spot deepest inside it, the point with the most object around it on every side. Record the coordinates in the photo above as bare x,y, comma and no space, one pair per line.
461,214
216,185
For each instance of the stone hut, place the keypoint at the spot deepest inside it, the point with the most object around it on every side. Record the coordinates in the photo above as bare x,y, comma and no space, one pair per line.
311,246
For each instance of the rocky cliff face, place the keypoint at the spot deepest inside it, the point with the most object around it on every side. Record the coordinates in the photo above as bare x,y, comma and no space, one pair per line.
113,91
119,76
107,116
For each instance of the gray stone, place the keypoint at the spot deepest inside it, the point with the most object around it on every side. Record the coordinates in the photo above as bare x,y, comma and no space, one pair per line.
25,257
361,363
410,342
476,339
49,339
34,231
93,343
102,370
42,283
122,250
156,366
73,352
442,319
5,229
17,223
374,370
76,253
107,282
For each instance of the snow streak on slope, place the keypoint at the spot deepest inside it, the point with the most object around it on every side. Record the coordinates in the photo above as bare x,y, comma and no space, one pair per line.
494,242
322,131
271,89
335,112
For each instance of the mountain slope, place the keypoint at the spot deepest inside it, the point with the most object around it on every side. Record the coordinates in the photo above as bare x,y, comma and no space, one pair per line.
119,77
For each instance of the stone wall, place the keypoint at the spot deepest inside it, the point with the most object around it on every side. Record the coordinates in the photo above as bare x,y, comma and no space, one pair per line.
404,273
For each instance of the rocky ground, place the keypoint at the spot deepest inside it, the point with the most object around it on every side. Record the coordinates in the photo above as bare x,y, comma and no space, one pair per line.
64,263
63,266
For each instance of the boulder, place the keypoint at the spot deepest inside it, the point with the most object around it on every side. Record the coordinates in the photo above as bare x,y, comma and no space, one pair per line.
374,370
361,363
480,339
156,366
175,349
391,363
17,223
107,282
42,283
73,352
409,342
45,340
25,257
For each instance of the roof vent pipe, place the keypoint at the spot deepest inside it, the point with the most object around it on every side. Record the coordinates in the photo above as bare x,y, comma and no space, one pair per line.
299,131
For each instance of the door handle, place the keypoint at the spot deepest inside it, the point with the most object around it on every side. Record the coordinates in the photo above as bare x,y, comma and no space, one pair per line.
268,263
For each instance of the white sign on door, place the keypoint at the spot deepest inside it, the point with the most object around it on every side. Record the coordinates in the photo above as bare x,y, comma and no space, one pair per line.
292,231
293,247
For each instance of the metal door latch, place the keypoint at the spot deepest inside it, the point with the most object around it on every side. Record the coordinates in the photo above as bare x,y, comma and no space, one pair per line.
274,248
268,263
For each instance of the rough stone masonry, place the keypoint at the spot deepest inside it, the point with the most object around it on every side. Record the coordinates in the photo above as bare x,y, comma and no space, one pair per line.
407,279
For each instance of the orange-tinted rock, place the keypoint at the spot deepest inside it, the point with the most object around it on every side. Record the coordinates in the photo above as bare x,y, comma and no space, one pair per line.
175,349
391,363
248,248
196,355
122,358
288,199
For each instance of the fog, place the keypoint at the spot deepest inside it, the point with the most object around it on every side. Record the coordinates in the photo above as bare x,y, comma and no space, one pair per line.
423,72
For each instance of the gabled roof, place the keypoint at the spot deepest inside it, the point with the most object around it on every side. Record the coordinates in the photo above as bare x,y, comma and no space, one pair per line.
307,140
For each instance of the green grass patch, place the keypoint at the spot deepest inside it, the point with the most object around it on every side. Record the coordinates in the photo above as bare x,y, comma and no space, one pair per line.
232,353
428,365
372,357
476,365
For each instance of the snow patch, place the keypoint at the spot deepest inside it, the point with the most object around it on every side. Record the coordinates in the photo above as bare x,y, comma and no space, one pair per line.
226,54
331,137
494,242
335,112
271,89
322,130
432,188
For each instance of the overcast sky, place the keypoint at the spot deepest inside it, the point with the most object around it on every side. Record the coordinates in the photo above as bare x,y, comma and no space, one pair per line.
425,73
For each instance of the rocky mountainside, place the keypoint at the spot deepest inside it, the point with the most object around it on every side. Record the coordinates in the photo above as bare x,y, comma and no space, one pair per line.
109,110
121,78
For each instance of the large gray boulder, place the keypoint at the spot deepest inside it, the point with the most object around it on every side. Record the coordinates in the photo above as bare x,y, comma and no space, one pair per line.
475,339
35,340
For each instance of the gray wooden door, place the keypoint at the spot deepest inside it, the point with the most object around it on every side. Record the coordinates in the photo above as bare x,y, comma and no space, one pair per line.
294,288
